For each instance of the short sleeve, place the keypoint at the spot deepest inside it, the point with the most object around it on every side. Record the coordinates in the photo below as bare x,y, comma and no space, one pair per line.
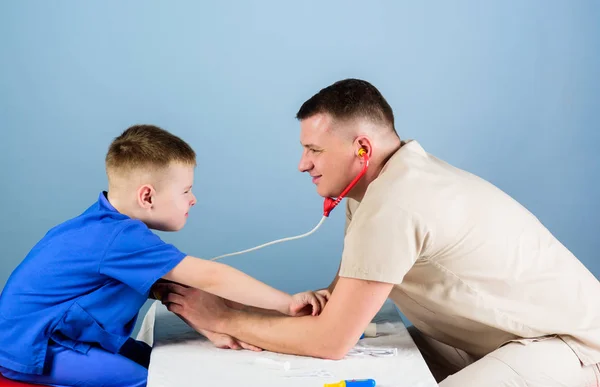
382,243
351,206
138,258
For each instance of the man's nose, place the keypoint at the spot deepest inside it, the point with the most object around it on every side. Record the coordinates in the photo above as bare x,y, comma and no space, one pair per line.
305,164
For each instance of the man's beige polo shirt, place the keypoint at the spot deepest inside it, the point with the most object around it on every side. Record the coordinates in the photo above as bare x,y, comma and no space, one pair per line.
472,268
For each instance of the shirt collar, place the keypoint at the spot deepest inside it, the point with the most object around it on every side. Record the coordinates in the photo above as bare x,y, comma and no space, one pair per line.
104,203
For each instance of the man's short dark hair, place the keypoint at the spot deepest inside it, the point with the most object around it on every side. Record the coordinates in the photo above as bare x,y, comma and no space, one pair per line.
349,99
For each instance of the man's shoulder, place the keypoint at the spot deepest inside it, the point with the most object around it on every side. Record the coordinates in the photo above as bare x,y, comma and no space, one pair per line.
413,176
412,184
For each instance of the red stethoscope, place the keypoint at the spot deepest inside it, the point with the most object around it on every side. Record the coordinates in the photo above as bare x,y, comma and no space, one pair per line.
331,203
328,205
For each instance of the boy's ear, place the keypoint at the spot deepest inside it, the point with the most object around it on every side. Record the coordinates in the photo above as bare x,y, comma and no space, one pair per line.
145,196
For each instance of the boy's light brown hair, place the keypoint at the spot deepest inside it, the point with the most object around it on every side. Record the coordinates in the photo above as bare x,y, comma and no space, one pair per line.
146,147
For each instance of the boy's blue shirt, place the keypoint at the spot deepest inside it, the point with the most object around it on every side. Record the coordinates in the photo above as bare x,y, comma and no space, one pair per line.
82,285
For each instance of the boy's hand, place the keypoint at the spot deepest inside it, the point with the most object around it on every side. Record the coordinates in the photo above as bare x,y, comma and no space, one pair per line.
160,289
307,303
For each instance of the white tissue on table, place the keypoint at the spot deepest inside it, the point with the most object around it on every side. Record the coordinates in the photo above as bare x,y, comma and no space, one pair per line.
273,364
365,350
380,329
321,373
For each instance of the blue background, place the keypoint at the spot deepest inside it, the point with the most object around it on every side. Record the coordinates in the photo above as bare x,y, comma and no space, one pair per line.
508,90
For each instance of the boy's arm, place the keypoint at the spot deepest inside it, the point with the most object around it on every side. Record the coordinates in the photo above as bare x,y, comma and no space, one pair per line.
232,284
160,288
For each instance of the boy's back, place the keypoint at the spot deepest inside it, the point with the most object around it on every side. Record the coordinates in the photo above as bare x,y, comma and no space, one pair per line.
67,287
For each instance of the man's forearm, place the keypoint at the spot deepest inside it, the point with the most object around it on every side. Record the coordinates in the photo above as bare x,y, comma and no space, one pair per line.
307,336
329,335
252,309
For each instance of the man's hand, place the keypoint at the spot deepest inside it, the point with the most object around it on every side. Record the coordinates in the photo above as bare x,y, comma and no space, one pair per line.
221,340
194,305
307,303
198,308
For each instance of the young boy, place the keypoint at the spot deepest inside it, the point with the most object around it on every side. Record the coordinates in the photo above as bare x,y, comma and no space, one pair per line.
68,310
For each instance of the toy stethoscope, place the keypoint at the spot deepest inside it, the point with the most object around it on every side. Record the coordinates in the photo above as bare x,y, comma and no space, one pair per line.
328,206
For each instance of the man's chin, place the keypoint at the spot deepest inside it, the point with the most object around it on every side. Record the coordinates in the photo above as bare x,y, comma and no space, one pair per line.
321,192
324,193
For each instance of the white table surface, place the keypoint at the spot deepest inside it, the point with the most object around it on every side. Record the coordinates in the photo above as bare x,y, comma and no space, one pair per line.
181,357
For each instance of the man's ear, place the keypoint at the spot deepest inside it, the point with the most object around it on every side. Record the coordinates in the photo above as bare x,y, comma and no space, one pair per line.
145,196
363,142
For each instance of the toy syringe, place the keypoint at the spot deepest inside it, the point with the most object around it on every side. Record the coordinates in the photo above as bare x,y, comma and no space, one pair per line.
353,383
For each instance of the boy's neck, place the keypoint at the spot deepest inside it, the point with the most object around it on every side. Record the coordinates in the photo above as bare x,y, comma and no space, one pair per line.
121,203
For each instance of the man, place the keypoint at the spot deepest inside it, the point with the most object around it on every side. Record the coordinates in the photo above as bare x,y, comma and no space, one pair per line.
495,299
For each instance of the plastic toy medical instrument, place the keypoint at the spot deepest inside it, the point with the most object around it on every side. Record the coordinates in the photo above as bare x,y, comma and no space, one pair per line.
353,383
328,206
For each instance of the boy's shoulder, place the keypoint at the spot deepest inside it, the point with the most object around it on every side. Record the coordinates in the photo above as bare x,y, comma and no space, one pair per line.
80,246
100,217
117,233
96,230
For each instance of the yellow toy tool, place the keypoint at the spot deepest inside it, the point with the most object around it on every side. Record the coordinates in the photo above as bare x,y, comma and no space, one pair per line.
353,383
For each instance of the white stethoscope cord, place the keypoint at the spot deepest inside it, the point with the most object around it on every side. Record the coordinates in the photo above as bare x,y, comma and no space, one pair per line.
272,242
328,206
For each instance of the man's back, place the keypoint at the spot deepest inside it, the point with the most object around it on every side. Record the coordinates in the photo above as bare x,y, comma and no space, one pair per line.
475,268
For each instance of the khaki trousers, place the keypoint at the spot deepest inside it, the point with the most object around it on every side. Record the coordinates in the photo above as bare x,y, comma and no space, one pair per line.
545,363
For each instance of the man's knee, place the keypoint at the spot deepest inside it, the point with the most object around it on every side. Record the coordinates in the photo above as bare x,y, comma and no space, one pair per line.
546,363
487,371
442,359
